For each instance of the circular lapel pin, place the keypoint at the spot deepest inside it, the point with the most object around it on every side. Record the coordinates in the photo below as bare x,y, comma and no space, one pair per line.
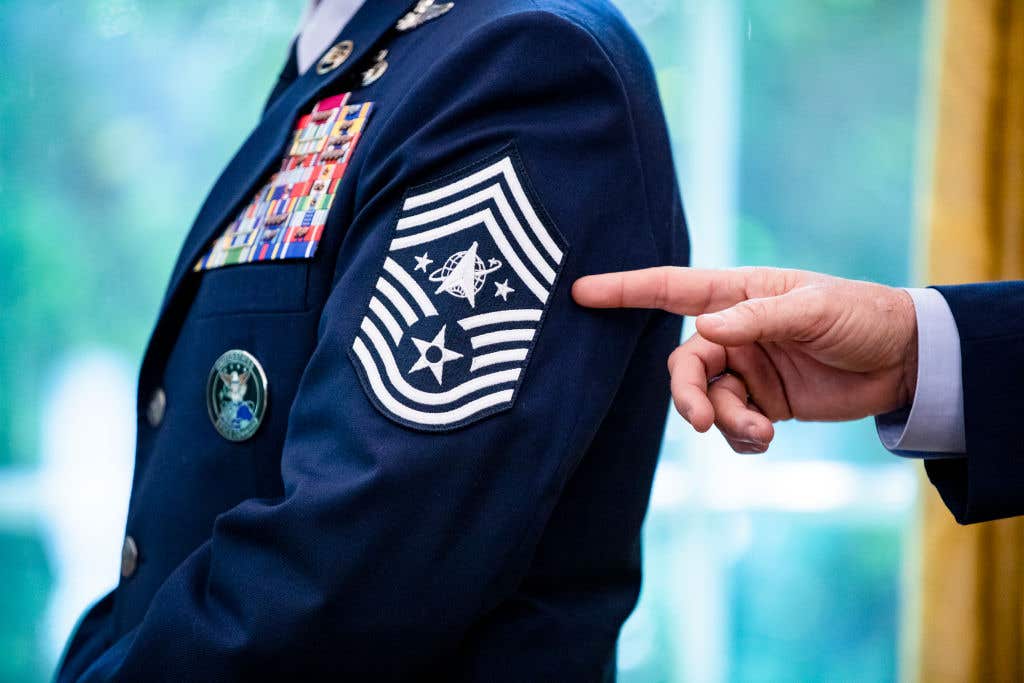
236,395
335,57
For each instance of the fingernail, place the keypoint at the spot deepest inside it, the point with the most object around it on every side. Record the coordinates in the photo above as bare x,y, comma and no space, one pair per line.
755,440
755,437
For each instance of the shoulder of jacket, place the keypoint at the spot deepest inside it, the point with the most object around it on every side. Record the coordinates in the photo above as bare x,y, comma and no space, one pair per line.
596,21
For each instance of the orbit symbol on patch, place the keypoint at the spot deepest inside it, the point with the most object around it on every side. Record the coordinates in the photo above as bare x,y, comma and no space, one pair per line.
236,395
464,274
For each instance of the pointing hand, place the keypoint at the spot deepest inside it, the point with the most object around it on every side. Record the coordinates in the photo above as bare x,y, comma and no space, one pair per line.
774,344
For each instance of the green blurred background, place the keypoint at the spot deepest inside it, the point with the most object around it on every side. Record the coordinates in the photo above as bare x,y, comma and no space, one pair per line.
795,125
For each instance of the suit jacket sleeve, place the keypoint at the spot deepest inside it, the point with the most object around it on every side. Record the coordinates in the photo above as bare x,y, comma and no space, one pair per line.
989,482
390,540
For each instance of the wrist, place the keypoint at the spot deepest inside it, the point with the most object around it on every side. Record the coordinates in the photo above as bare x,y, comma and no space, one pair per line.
909,361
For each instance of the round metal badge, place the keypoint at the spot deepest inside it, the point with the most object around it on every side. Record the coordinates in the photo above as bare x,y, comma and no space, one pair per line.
335,57
236,395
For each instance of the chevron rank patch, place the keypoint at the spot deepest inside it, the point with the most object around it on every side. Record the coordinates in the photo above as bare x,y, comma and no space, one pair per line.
460,298
286,218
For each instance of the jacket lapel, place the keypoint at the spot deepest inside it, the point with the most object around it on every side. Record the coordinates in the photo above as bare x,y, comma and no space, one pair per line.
263,148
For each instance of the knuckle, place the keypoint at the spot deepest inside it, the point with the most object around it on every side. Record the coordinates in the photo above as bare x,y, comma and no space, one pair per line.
733,384
754,310
766,282
792,278
661,297
817,301
816,306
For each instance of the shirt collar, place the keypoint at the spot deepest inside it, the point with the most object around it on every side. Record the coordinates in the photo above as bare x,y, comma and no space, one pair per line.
321,21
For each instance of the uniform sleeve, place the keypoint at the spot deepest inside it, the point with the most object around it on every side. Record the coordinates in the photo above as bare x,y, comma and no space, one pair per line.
989,482
396,532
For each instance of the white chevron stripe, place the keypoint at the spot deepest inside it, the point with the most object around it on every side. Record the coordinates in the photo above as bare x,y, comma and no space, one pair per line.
501,337
461,185
393,295
496,194
437,233
505,168
419,416
445,210
411,286
389,320
428,398
488,359
487,218
511,315
525,242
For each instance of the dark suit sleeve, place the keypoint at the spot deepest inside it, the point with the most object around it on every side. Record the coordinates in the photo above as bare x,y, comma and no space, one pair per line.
390,541
989,482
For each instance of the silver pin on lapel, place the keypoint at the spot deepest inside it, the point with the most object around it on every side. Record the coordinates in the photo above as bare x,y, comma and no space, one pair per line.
424,11
374,73
335,57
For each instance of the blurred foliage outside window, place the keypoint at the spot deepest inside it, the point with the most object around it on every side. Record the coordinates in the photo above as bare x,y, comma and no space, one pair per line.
794,124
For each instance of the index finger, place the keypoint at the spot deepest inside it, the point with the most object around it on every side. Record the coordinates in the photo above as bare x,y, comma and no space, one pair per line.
685,291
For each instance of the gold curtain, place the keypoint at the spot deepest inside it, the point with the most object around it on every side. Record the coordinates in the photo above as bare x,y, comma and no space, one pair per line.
972,583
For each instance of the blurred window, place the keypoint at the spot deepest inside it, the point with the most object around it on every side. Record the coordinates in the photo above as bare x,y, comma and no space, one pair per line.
795,126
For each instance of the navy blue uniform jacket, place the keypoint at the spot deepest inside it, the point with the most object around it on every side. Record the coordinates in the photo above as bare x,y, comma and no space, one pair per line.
987,482
393,523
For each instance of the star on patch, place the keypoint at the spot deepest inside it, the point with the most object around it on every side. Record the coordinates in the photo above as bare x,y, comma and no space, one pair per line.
433,355
423,261
503,290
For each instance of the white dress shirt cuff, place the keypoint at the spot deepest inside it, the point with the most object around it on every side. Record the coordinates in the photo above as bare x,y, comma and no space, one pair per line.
933,426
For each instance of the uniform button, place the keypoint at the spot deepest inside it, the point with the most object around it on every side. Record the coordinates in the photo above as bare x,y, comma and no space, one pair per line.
129,557
155,409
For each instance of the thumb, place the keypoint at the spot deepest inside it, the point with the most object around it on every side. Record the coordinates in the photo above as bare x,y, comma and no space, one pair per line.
793,316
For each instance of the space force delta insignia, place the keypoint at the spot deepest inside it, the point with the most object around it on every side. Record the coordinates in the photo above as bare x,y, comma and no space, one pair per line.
460,298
